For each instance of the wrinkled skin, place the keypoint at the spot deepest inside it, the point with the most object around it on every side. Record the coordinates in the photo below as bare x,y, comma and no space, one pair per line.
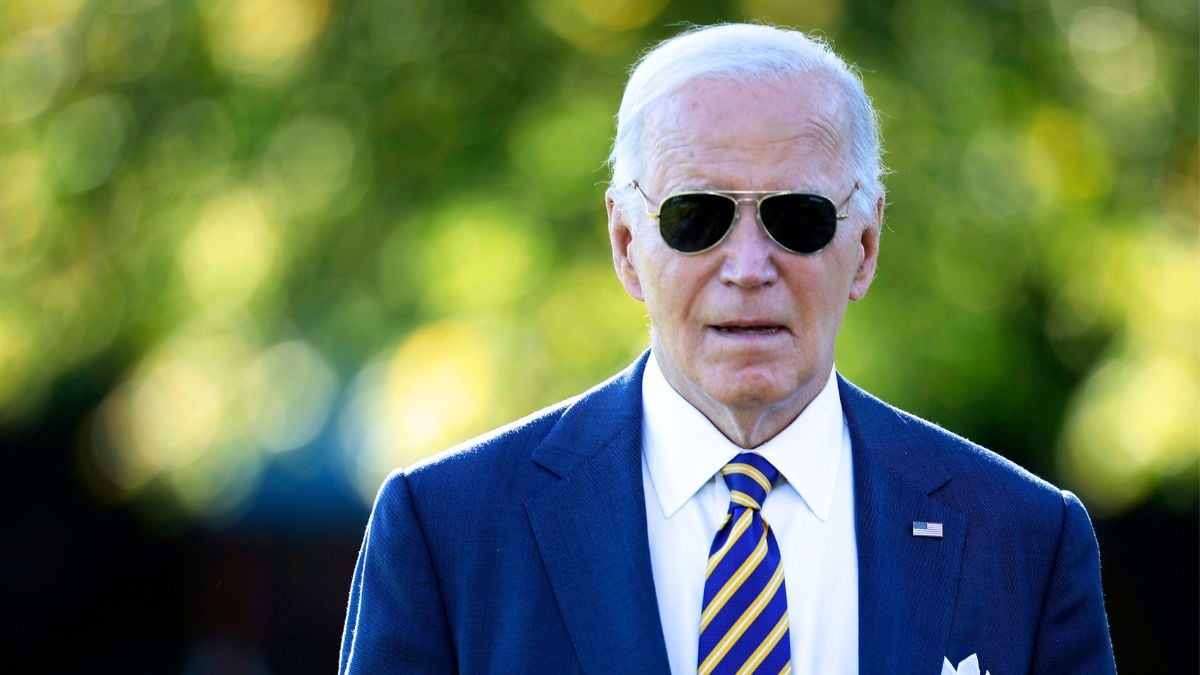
745,331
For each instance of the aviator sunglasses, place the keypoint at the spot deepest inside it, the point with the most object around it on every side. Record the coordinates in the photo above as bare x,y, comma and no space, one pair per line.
696,221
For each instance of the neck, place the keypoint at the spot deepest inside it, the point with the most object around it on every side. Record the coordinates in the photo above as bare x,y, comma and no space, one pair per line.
751,424
751,427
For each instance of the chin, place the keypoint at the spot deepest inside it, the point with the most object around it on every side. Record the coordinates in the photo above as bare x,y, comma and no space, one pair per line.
747,390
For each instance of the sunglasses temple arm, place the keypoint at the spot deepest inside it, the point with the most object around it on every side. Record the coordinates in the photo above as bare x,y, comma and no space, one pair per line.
645,201
846,201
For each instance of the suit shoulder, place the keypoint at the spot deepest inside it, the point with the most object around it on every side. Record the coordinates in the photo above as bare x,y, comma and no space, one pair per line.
939,451
998,494
974,460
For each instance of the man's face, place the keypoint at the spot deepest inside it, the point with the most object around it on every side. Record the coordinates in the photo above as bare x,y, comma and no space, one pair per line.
746,326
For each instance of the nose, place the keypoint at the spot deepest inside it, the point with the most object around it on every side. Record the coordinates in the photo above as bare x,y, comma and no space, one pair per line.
747,251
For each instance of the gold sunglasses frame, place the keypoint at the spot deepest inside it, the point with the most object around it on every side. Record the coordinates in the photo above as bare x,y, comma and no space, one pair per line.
733,195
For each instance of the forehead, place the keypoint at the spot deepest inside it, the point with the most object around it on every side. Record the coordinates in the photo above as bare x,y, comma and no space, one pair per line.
760,133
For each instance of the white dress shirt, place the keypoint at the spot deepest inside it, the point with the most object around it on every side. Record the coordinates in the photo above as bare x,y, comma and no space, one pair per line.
810,510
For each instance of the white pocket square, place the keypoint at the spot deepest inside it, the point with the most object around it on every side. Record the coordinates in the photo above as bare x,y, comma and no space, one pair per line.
968,666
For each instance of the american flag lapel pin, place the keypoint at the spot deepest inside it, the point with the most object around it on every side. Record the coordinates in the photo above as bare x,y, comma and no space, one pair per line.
924,529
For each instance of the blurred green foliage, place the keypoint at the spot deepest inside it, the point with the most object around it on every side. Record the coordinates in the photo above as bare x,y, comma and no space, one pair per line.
251,221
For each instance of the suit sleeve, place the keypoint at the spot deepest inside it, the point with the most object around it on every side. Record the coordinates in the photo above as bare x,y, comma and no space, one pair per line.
1072,635
395,620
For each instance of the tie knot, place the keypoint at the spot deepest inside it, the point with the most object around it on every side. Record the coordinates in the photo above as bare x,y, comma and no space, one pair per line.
749,478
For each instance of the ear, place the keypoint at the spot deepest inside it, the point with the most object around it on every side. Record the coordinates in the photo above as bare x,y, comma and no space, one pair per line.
868,253
620,236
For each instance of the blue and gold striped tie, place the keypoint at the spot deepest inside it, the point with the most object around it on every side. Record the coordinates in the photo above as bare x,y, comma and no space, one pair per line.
744,625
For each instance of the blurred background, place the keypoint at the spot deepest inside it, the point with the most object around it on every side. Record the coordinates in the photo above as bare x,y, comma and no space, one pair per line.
256,253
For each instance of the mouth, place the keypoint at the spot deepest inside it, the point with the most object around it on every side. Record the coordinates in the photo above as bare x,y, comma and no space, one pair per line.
753,328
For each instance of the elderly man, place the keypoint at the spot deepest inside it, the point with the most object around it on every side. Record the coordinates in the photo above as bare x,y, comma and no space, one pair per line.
729,503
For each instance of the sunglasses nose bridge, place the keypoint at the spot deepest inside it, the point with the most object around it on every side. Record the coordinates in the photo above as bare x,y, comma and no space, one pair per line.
747,255
748,242
755,212
739,211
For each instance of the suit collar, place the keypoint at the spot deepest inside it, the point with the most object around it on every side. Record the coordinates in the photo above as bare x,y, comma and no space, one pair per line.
906,585
894,438
593,420
590,529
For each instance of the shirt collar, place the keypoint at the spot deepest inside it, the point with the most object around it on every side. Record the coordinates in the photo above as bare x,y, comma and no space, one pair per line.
684,450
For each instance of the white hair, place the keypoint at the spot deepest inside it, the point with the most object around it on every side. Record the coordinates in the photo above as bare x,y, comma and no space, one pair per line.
747,50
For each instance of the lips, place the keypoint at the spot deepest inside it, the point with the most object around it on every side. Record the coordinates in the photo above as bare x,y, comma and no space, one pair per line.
749,328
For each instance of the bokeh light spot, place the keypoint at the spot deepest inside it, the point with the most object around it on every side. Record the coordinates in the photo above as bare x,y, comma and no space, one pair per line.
289,389
231,251
1111,50
561,146
34,69
481,254
124,40
1066,157
218,486
87,305
590,319
181,416
175,412
429,392
308,163
29,15
1134,420
592,24
262,40
1103,27
18,355
24,203
992,168
85,141
438,382
1164,267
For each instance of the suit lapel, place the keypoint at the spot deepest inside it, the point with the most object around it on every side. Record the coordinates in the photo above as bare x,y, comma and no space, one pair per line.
906,584
590,528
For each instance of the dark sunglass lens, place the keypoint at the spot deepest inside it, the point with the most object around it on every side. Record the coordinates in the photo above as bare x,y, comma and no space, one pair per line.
800,222
694,222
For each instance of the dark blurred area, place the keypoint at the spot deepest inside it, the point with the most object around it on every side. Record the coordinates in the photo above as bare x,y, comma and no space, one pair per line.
254,254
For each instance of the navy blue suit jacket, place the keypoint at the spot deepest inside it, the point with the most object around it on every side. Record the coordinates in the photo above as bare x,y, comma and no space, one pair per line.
526,551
